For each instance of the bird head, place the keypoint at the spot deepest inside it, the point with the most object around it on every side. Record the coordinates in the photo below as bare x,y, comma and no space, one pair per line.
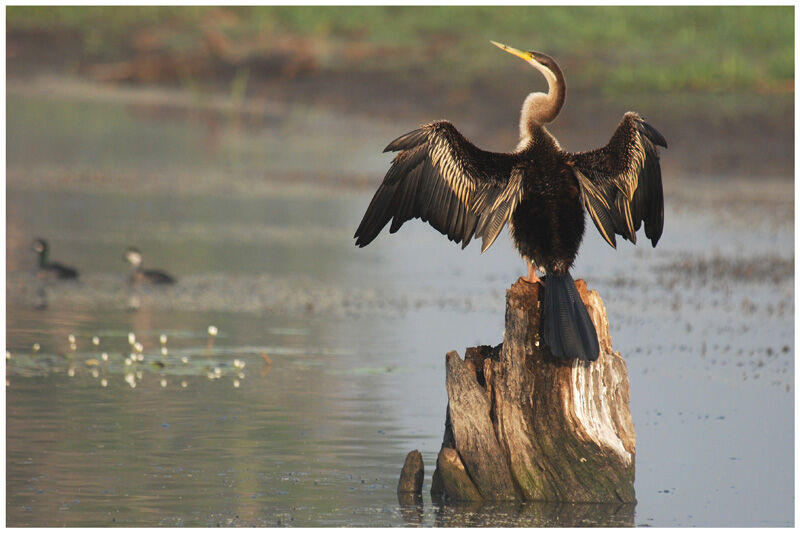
133,256
541,62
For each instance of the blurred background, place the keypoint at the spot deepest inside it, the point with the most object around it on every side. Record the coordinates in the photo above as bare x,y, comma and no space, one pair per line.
238,148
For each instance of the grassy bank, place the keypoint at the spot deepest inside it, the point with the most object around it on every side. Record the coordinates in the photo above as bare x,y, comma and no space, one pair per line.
618,49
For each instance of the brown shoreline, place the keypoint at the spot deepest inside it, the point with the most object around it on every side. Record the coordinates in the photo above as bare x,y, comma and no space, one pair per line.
711,134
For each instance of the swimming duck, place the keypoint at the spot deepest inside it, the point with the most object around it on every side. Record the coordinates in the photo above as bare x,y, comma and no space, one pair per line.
51,270
140,274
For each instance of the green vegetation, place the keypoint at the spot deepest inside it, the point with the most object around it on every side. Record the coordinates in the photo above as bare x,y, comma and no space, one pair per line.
622,49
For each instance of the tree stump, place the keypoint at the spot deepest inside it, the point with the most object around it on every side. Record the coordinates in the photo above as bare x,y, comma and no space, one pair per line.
523,425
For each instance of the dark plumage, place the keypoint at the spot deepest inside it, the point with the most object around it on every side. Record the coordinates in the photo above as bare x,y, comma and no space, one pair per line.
149,275
141,275
51,270
542,190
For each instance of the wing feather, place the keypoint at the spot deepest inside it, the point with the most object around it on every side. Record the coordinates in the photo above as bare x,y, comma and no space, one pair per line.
623,207
598,208
443,179
409,140
470,221
621,182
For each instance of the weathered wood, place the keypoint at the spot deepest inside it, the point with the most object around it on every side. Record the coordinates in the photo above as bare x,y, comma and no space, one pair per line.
412,474
474,433
456,483
437,486
531,426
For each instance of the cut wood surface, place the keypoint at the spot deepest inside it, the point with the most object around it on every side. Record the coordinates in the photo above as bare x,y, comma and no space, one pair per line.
523,425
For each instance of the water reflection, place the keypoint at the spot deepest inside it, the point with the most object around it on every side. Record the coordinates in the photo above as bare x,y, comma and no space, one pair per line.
518,514
412,508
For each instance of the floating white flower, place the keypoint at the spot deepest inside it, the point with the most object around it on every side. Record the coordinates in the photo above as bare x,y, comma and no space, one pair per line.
96,340
212,330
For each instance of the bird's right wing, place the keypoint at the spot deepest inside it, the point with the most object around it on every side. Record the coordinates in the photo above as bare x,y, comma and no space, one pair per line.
443,179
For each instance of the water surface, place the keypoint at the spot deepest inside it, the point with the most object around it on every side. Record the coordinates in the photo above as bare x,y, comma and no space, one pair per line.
341,350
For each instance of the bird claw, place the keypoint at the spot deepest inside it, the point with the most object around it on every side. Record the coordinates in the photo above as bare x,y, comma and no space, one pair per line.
532,277
535,280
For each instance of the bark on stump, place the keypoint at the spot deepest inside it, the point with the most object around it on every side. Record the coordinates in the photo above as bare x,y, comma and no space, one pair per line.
523,425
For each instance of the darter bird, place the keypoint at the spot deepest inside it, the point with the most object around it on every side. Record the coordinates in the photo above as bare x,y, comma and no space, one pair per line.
51,270
540,189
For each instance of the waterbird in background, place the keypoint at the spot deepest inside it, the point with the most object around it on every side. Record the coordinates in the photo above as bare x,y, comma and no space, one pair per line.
51,270
139,274
539,189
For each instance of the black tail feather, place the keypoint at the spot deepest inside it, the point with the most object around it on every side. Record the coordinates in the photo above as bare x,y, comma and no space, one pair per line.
568,330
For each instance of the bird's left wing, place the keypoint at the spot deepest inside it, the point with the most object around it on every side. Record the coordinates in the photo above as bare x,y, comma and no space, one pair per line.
621,182
443,179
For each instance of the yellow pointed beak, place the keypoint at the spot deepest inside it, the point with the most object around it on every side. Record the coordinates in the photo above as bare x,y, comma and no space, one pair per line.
527,56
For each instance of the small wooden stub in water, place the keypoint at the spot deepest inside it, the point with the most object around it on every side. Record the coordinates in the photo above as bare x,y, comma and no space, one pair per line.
522,425
409,488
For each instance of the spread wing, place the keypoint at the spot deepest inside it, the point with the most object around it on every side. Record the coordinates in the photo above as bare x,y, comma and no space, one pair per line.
621,182
443,179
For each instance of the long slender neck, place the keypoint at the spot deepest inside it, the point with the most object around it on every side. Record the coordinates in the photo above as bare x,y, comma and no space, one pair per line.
540,108
43,258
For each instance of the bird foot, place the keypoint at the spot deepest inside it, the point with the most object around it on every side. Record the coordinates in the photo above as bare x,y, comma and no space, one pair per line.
532,276
535,279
